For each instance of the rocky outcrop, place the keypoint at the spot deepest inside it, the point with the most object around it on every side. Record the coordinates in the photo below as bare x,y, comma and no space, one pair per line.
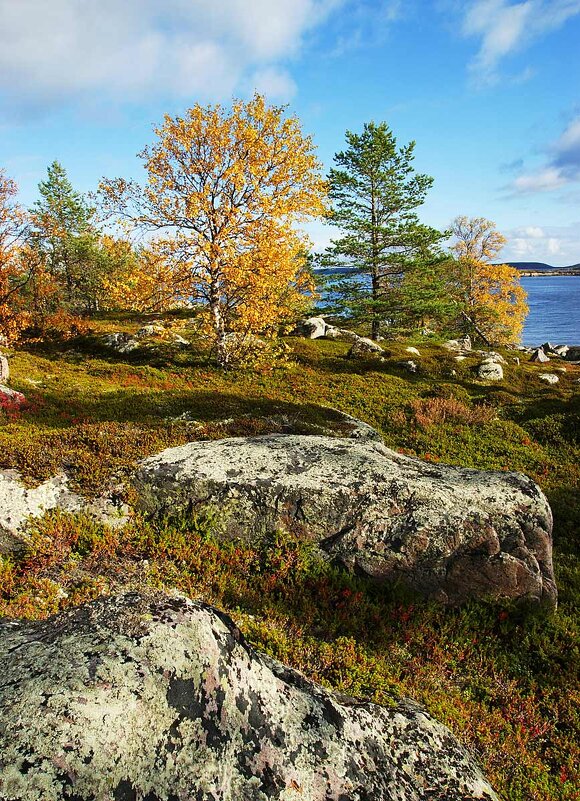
362,347
19,503
573,354
161,698
448,532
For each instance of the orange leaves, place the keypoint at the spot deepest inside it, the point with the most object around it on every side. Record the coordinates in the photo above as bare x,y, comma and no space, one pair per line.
12,274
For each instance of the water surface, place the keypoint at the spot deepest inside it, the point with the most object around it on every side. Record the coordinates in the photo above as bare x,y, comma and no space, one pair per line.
554,315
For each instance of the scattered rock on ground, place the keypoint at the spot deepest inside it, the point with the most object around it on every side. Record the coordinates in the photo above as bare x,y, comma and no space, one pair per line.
4,368
539,356
492,356
179,340
410,366
121,342
150,330
313,328
573,354
18,503
364,347
561,350
458,344
159,697
516,360
413,351
450,533
490,371
11,396
549,378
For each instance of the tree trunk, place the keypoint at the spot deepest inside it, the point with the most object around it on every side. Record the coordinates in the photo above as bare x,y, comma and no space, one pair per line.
476,329
375,323
221,343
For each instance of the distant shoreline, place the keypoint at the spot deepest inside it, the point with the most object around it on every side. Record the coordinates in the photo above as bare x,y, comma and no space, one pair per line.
545,274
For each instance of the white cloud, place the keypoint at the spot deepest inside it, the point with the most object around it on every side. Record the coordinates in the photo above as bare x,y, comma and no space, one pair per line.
505,27
563,167
274,83
61,49
558,245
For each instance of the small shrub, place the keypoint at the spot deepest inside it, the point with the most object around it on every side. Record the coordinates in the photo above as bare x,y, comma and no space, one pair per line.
438,411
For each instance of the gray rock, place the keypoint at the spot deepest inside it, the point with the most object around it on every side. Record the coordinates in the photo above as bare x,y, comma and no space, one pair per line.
150,330
561,350
516,360
492,356
549,378
410,366
573,354
413,351
179,340
313,328
121,342
19,503
136,697
490,371
458,344
362,347
539,356
450,533
11,395
4,368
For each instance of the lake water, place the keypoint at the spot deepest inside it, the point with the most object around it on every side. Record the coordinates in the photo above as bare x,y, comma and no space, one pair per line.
554,315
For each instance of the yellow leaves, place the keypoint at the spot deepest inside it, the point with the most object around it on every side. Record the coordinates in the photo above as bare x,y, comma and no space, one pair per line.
228,187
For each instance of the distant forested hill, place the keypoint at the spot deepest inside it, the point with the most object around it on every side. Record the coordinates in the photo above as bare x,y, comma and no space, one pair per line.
541,267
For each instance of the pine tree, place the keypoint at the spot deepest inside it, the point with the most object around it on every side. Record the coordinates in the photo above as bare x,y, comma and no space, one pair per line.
375,193
64,234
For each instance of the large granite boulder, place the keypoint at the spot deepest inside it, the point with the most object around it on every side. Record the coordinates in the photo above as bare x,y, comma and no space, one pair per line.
162,699
448,532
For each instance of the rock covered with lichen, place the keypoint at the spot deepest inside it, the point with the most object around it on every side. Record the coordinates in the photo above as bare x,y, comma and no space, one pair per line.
161,698
451,533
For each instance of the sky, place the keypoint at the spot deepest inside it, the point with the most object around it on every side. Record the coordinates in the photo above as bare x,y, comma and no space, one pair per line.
489,90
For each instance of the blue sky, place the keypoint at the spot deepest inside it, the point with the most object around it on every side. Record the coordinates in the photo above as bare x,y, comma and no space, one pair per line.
489,89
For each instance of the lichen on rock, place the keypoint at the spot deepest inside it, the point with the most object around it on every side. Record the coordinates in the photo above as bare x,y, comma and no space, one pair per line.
158,698
450,533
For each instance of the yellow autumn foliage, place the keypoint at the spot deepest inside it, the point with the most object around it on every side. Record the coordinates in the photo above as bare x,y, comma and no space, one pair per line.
227,188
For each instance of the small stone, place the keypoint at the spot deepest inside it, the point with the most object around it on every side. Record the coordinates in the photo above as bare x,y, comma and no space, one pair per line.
178,340
411,366
413,351
11,396
539,356
490,371
549,378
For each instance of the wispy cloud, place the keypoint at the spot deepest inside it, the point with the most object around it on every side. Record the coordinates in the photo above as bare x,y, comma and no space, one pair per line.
55,51
504,28
563,166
